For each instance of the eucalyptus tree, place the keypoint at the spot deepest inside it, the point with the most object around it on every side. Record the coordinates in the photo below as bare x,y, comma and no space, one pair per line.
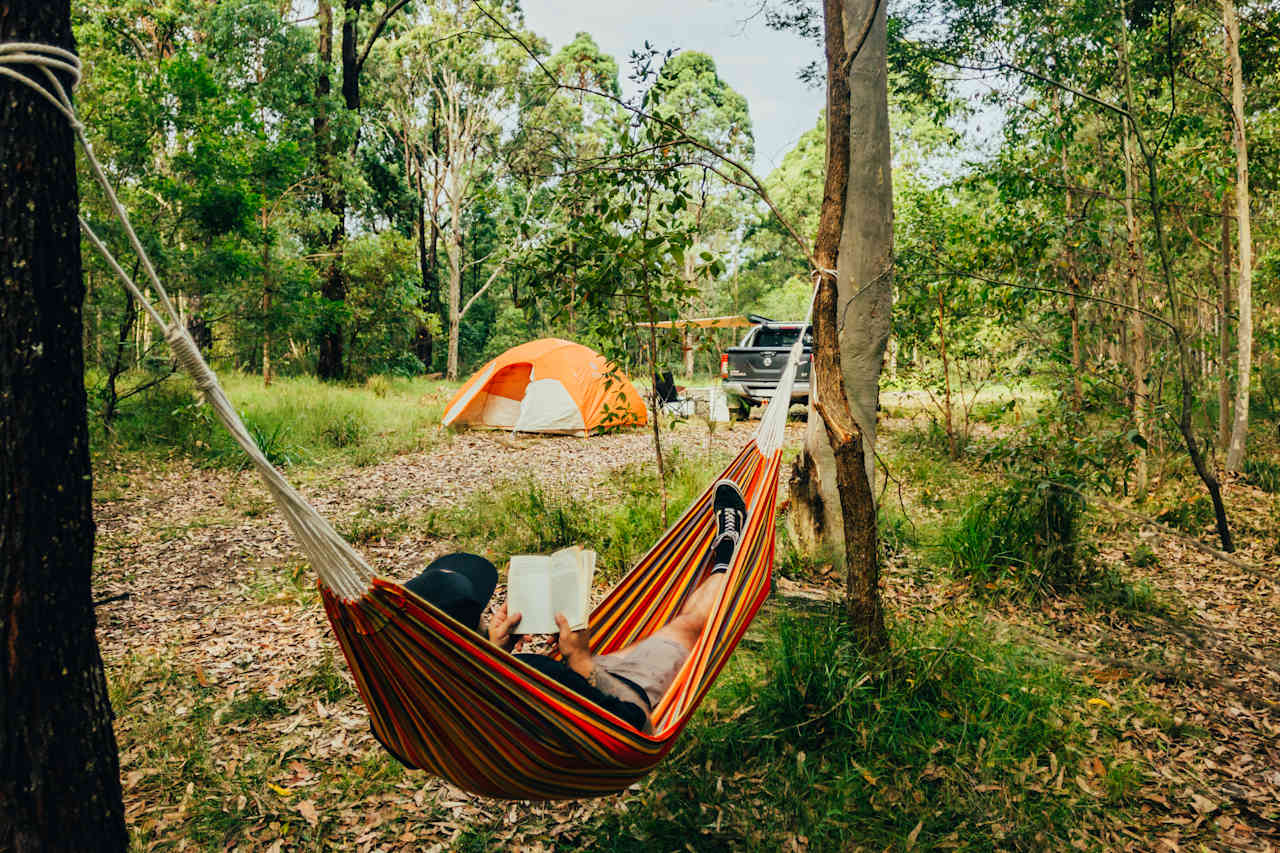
193,112
1244,238
455,129
854,269
561,131
628,247
336,147
689,91
1089,51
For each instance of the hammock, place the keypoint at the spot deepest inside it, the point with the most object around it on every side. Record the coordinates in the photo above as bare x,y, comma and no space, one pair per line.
440,697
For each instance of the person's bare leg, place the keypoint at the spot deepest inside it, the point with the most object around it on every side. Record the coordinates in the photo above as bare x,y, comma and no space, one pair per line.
687,626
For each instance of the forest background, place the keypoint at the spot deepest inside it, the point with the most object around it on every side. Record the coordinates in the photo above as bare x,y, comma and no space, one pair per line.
405,191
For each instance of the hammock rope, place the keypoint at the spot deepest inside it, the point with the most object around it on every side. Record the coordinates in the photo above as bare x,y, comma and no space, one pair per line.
439,696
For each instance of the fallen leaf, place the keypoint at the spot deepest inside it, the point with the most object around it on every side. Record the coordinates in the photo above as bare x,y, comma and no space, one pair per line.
307,808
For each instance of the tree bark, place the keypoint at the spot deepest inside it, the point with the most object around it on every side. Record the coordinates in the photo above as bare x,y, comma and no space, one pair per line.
854,248
266,305
453,251
423,345
1224,331
330,361
953,444
1244,245
1072,269
59,770
865,252
1133,289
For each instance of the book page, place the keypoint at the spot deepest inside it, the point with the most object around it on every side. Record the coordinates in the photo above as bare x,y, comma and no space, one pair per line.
564,588
538,587
527,594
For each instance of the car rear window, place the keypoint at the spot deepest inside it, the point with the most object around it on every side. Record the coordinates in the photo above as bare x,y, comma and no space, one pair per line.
781,337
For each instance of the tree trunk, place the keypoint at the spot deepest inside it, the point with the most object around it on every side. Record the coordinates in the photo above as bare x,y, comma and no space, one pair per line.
1133,294
854,254
1224,331
423,345
953,445
1073,270
1186,388
865,249
453,249
330,361
118,366
1244,246
59,770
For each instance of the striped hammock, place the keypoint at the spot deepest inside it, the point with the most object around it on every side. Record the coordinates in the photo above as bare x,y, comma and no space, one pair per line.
445,700
439,696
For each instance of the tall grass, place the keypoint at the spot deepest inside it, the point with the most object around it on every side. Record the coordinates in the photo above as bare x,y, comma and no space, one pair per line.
620,525
955,740
298,420
1025,534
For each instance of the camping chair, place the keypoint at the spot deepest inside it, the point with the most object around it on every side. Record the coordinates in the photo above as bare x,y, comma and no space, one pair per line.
671,398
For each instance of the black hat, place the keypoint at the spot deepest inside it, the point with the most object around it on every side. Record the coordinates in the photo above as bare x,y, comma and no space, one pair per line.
459,584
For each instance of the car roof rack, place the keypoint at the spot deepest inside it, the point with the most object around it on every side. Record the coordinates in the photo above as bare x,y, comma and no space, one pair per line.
756,318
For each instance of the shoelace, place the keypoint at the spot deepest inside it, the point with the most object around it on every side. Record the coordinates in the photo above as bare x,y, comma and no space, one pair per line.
729,521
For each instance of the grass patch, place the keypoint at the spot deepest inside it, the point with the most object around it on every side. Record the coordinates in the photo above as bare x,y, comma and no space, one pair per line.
1263,473
1113,591
297,421
957,740
378,521
1023,537
252,708
290,582
327,681
524,517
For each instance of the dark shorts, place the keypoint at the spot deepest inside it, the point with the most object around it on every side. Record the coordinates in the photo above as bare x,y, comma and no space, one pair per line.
649,667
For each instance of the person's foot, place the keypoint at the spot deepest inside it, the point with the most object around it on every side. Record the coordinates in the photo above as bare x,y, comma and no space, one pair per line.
731,515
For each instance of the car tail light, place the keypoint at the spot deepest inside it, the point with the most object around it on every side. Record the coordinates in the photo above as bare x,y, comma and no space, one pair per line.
724,365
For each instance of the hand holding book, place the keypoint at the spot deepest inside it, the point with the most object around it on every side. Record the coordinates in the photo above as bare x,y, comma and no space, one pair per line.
539,587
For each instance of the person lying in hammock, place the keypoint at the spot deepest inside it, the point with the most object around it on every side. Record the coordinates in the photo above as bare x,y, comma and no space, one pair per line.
628,683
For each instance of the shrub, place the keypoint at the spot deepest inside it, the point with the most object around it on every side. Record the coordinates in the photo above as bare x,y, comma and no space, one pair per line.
897,533
344,430
1026,532
1143,557
1191,516
1263,473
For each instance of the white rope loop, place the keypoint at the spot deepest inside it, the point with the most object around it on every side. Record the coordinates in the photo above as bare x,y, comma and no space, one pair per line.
341,568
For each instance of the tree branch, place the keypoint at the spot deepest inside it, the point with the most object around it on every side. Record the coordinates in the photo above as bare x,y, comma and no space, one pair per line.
377,31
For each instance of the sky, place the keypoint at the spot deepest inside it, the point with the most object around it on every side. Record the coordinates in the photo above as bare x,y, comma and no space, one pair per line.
760,64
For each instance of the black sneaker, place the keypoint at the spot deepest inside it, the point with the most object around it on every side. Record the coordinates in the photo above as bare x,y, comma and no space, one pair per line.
731,516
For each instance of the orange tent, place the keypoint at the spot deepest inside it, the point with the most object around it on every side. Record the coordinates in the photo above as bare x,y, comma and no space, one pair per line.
547,385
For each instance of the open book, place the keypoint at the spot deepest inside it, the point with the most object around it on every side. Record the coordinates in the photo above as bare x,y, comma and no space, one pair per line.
538,587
